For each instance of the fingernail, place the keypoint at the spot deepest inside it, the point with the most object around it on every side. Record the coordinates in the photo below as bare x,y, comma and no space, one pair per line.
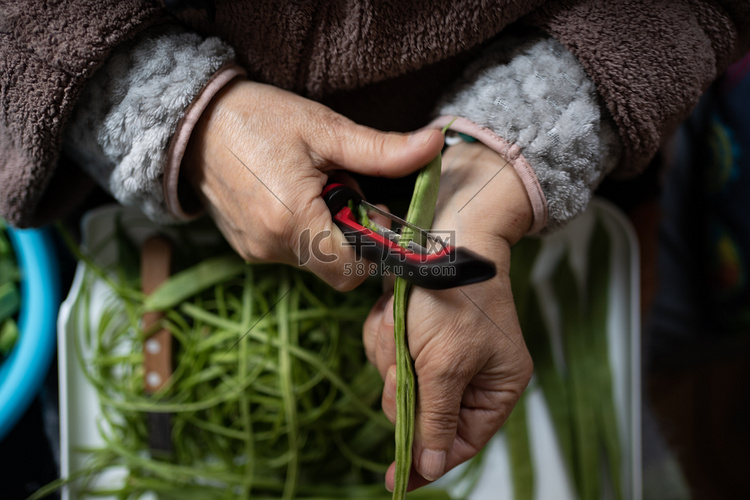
420,138
388,312
432,464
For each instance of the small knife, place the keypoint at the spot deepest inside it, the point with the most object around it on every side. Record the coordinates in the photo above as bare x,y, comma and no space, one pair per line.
156,262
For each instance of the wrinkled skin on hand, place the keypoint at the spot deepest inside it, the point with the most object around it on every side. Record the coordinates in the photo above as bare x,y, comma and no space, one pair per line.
259,158
471,362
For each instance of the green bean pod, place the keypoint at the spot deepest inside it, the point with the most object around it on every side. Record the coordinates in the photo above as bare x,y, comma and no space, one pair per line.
599,258
579,353
521,466
421,212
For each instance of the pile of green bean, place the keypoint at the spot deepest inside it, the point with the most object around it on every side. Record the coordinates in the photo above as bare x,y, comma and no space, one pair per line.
10,299
271,394
579,392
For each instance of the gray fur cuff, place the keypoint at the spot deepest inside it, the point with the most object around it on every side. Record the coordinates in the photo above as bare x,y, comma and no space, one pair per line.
534,93
121,127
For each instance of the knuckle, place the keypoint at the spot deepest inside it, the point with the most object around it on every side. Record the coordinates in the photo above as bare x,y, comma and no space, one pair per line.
264,253
528,370
343,283
387,346
525,368
437,421
338,124
450,373
369,351
253,249
380,146
333,130
297,234
388,404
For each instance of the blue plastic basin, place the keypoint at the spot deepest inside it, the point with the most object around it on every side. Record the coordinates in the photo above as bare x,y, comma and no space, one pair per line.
24,370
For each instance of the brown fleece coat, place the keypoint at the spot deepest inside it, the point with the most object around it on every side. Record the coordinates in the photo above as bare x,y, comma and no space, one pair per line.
382,62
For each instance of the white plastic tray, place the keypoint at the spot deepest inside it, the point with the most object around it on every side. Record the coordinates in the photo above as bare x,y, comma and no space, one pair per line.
79,408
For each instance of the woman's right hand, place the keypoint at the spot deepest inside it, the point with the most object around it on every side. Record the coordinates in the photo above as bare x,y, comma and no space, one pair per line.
259,158
470,359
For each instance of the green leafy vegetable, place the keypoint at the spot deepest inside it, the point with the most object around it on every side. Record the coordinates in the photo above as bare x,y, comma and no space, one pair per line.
10,295
8,336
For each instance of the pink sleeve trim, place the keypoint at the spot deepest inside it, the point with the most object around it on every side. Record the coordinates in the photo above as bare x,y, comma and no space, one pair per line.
512,153
182,135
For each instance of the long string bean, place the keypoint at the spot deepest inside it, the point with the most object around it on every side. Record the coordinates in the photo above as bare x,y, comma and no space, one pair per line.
421,212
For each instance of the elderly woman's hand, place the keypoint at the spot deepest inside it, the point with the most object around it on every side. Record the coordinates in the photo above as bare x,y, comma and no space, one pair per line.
259,158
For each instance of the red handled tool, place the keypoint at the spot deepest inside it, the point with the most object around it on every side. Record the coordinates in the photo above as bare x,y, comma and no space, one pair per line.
435,265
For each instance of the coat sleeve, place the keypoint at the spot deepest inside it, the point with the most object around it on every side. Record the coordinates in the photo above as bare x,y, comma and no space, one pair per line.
48,50
650,60
123,129
529,99
565,115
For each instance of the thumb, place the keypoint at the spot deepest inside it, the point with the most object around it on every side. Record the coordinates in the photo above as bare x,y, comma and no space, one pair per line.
371,152
438,407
